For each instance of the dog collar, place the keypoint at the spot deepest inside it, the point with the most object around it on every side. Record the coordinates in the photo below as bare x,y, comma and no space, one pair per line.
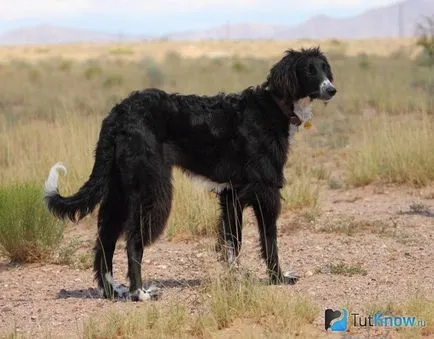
289,112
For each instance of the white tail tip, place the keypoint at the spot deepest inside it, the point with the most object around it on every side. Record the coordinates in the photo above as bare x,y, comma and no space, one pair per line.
50,186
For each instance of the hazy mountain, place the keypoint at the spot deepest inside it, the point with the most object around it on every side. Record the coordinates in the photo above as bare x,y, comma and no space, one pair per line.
237,31
394,20
46,34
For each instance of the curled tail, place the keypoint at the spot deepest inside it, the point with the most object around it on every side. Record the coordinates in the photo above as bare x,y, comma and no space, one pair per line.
80,204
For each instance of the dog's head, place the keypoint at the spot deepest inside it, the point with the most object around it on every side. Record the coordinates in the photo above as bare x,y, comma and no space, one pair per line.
301,74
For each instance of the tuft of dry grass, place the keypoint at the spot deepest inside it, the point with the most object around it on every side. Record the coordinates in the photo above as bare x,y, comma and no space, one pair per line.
67,255
28,233
227,303
194,209
343,269
420,307
302,189
394,149
419,208
349,225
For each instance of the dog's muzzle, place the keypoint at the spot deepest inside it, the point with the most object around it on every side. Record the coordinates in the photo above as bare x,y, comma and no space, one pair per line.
327,90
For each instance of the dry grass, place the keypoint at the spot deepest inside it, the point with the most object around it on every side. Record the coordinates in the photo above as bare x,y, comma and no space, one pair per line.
69,255
351,226
225,303
343,269
51,111
419,307
28,233
194,210
55,98
394,149
28,150
158,49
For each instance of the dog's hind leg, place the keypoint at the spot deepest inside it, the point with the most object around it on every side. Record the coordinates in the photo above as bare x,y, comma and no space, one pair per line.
147,180
150,212
111,217
266,206
230,226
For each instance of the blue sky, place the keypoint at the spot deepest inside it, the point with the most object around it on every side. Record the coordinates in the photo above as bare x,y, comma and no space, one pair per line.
142,17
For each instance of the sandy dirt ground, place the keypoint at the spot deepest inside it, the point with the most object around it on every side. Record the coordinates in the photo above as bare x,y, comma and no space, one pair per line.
41,299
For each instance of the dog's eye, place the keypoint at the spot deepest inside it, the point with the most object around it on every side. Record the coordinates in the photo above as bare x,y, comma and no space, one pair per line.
324,67
312,69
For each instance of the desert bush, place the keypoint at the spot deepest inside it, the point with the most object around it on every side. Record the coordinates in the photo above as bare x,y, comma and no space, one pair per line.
364,62
113,80
65,65
121,51
92,71
425,31
154,74
28,233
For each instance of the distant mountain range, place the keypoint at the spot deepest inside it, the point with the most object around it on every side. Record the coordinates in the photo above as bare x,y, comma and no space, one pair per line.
47,34
399,19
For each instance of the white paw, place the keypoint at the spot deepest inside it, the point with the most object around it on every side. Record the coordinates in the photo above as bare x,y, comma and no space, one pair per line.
121,290
151,293
291,277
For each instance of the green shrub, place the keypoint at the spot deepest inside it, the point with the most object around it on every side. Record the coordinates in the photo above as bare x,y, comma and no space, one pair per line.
28,233
121,51
154,74
65,65
92,71
113,80
425,31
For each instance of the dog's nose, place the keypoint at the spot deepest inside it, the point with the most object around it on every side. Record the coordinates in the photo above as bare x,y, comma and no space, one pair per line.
331,91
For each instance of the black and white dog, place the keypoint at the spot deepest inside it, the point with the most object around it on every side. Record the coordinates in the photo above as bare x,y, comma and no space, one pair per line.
237,142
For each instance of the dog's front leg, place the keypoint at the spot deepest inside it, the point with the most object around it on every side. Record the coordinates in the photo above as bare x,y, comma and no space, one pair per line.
267,209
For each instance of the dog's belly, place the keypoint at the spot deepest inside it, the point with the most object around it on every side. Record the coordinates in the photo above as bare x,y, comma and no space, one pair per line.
207,183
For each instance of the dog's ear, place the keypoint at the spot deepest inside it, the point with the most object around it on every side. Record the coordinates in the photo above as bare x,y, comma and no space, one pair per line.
282,79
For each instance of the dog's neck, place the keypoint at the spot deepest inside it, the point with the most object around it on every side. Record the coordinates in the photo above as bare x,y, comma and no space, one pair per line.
288,110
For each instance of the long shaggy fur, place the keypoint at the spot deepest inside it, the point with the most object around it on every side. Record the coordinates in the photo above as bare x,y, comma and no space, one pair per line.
237,141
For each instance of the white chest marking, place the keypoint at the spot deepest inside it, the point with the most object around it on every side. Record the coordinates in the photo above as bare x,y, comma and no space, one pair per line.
303,109
293,129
